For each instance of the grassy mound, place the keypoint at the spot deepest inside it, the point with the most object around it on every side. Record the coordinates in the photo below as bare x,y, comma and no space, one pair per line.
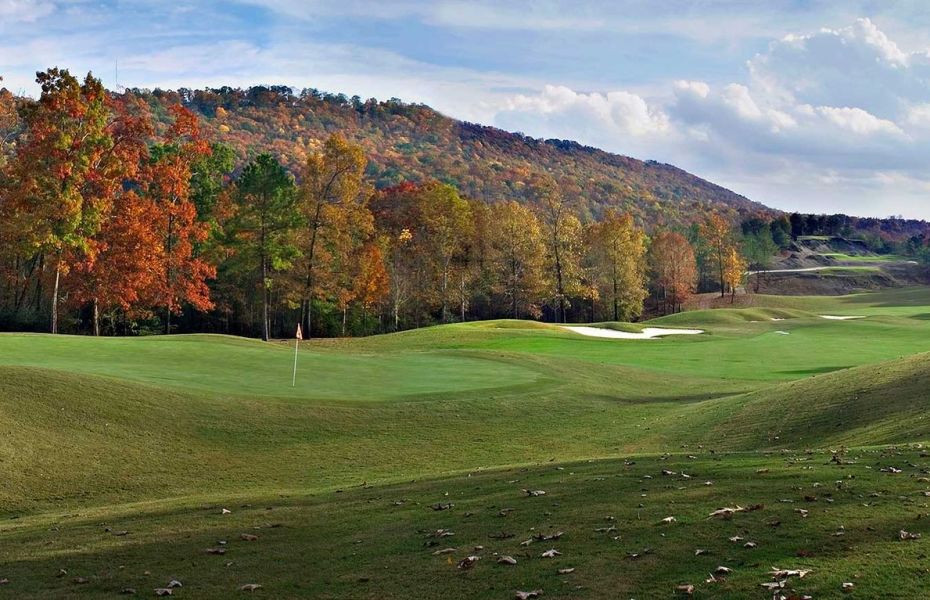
885,403
730,316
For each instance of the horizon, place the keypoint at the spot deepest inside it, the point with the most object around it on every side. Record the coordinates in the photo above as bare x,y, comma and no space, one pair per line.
800,106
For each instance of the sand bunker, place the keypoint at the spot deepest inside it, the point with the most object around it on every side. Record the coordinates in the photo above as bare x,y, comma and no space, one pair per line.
646,334
837,318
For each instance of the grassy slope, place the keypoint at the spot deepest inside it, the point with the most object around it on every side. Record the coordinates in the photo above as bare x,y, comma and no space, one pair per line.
187,423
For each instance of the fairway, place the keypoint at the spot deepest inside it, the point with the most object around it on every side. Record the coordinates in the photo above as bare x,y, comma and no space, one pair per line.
120,454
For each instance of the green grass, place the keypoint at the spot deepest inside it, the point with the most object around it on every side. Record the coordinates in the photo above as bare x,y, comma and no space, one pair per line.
154,435
867,258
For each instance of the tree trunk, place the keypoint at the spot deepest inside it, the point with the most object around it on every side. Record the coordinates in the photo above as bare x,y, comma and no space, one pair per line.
616,305
96,317
513,282
264,299
55,295
311,253
462,289
723,289
445,294
168,273
559,287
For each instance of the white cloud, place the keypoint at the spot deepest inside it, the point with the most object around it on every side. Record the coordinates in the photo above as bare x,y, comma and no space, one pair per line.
621,112
12,11
839,117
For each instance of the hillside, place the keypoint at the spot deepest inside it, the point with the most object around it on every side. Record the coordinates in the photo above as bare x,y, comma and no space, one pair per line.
409,142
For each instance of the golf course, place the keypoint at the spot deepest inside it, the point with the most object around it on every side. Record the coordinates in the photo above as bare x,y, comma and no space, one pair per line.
478,460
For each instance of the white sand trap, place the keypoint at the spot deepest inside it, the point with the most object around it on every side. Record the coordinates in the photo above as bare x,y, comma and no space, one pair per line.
837,318
647,333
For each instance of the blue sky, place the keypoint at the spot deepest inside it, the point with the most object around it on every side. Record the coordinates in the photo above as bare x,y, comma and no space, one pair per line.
802,105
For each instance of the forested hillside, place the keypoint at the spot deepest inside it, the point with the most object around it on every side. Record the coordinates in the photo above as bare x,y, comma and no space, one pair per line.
411,142
250,211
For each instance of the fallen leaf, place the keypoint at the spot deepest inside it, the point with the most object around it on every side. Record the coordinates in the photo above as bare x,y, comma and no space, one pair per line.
507,560
551,553
225,511
216,550
441,533
527,595
566,571
164,592
248,537
174,583
786,573
250,587
444,551
726,512
468,562
534,493
685,588
906,535
668,520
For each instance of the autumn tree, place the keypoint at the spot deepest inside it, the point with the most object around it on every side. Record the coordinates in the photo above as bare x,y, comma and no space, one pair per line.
673,268
562,232
184,273
370,282
53,202
114,269
396,212
478,280
734,270
118,274
446,221
718,236
517,253
332,186
617,249
262,225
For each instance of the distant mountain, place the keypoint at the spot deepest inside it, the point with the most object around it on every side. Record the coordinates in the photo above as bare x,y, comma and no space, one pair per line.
414,142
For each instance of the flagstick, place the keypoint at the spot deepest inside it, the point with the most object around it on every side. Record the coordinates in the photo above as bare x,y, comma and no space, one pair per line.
296,345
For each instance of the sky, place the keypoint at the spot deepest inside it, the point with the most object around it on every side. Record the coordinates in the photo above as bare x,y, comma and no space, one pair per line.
802,105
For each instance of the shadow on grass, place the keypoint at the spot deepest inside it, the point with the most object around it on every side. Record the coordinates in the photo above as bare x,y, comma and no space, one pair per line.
816,370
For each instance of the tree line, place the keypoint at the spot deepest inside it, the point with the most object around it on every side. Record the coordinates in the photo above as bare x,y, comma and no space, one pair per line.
115,220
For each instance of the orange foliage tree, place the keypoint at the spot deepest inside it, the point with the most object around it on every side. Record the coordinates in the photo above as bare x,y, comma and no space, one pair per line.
183,273
674,270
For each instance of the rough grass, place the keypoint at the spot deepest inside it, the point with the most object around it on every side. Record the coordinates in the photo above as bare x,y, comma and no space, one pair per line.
153,436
